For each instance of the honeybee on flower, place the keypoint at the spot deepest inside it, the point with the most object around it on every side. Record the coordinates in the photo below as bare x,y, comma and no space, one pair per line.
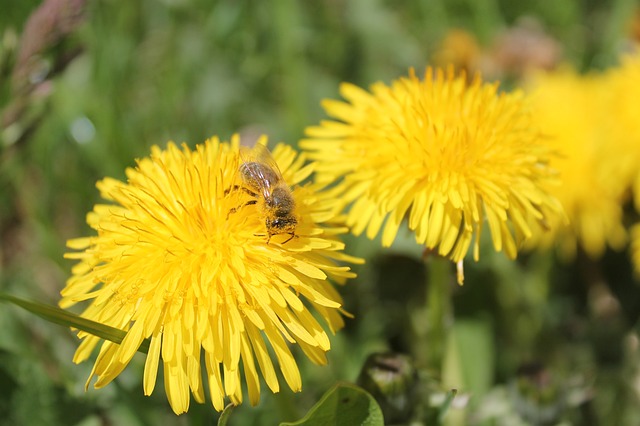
262,180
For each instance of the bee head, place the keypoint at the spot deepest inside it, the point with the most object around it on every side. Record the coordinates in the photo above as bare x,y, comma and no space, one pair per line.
284,224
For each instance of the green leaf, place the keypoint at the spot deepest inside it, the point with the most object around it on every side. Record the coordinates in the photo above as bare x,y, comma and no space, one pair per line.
343,405
224,417
60,316
470,360
444,408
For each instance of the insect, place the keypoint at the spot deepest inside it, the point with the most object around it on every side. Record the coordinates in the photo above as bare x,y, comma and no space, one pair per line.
261,179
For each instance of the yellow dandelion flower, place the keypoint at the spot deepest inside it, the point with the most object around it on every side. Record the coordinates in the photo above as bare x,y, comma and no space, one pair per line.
571,109
449,153
183,257
460,48
622,123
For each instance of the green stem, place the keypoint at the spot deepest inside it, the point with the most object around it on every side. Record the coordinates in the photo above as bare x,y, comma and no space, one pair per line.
436,314
439,306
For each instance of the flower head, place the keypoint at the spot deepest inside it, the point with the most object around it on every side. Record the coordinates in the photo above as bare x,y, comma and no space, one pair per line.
182,257
623,126
460,48
575,113
448,153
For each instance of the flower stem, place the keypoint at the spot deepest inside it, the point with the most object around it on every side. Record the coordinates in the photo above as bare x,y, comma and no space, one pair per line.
439,310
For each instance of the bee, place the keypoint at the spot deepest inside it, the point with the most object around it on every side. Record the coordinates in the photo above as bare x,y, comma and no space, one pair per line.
261,179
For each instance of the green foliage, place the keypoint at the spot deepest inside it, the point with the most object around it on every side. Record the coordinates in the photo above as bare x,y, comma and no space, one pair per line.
343,405
67,319
128,75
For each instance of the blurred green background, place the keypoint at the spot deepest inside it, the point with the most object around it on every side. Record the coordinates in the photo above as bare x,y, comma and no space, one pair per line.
88,86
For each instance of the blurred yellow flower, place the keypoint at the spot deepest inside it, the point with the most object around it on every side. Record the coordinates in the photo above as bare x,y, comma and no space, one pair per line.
623,130
622,115
449,153
459,48
181,257
572,110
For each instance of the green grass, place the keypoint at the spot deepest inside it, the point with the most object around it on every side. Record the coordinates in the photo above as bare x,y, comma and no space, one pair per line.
135,74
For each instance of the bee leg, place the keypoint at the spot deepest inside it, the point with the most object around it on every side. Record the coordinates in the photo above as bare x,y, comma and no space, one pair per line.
293,234
233,188
235,209
248,191
236,187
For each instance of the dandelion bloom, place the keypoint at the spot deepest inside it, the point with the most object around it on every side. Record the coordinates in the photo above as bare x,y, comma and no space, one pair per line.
460,48
623,126
574,113
449,153
623,131
181,257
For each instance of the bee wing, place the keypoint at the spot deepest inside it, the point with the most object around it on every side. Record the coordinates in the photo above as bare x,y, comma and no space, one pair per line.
261,166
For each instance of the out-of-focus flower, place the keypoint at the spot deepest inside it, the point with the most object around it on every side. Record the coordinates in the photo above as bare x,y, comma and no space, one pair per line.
460,49
448,153
572,110
523,48
633,27
514,52
181,257
623,134
621,116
